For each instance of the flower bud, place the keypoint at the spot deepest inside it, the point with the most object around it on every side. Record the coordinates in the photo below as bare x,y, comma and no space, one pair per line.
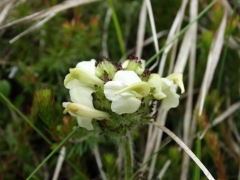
105,67
135,65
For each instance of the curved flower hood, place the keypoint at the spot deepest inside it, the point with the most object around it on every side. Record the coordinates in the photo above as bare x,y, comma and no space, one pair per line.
164,88
126,91
83,74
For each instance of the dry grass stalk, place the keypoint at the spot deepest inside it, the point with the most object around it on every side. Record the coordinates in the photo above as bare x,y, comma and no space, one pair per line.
141,29
60,161
99,162
42,14
32,28
105,32
152,139
173,31
213,58
164,169
188,112
145,43
183,145
230,110
154,33
161,119
4,9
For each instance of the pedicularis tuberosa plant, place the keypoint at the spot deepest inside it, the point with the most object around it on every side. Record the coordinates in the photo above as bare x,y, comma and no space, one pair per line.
117,96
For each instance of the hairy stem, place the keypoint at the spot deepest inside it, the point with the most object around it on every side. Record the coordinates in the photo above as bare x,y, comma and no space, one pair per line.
128,158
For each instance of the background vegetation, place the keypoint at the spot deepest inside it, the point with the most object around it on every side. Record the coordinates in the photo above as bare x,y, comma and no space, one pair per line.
34,65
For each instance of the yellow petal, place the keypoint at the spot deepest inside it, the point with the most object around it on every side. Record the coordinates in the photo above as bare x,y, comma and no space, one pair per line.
85,111
85,76
142,89
177,79
159,95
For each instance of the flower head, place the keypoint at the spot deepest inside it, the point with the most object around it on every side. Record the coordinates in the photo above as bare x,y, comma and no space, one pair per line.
118,97
126,91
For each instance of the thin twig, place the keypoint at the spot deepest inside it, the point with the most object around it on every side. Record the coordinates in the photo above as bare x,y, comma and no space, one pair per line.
141,29
183,145
190,91
173,31
213,58
154,33
55,9
7,5
32,28
105,32
164,169
61,158
222,117
99,162
161,119
145,43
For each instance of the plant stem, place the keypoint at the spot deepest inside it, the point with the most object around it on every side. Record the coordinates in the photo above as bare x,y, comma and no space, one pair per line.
128,158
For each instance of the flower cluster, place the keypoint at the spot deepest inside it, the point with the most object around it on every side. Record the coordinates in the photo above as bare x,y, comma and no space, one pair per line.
118,96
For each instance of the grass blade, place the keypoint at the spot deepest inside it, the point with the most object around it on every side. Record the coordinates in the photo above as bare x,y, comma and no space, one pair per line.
118,29
52,153
196,174
26,119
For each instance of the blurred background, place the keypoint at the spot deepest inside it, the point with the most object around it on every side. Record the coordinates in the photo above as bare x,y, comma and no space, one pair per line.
41,40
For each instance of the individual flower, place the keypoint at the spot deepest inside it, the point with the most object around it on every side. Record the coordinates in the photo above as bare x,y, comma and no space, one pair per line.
80,82
135,65
105,68
84,73
84,114
126,91
164,89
